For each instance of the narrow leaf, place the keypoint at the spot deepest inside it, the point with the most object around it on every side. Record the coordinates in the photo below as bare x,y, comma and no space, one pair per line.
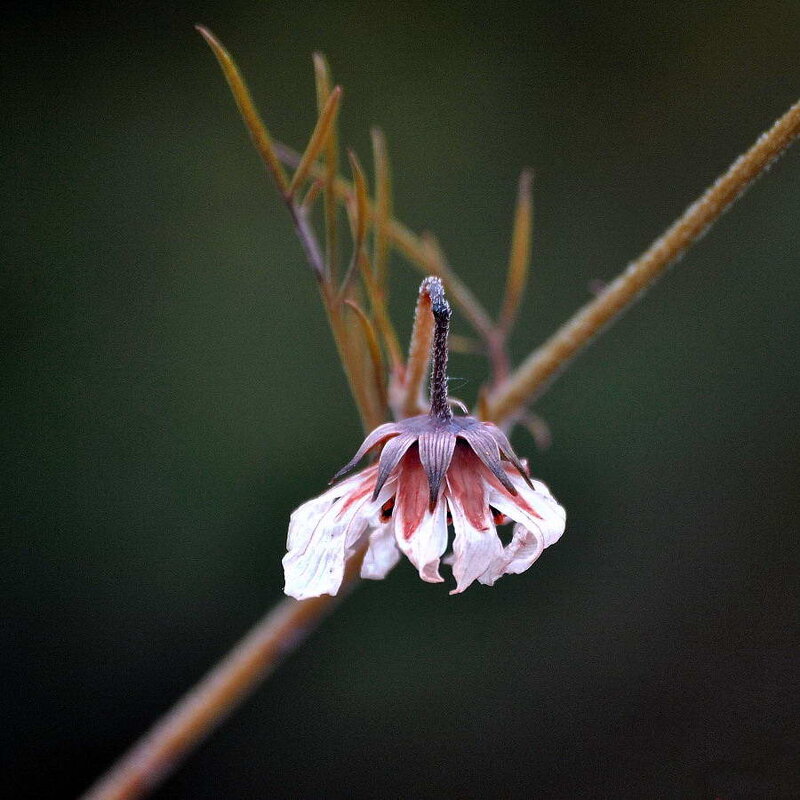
311,196
382,208
258,131
322,76
374,349
520,256
319,138
356,206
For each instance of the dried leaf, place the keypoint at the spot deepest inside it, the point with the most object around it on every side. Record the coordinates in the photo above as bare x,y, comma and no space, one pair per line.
319,139
374,348
258,131
520,256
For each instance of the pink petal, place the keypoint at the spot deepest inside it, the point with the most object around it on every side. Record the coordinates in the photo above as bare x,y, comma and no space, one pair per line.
465,483
427,542
379,435
412,495
475,548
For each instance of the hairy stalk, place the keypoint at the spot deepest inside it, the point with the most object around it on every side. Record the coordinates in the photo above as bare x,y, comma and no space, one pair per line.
155,756
440,407
544,364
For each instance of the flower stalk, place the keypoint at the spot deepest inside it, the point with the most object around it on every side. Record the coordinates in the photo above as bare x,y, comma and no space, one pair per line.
440,308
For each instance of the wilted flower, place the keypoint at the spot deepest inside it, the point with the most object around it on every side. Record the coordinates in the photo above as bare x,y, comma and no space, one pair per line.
434,470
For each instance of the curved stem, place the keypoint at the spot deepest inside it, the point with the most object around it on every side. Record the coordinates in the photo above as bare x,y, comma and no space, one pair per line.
544,364
155,756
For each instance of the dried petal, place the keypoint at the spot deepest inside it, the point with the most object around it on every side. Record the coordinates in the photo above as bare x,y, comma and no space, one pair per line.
425,544
475,548
485,447
394,450
318,543
435,453
507,450
379,435
382,554
525,547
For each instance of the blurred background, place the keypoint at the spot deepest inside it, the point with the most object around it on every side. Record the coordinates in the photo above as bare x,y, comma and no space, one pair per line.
170,393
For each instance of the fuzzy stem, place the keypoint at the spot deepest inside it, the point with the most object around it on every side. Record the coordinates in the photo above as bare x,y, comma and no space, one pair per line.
552,357
440,408
412,379
156,755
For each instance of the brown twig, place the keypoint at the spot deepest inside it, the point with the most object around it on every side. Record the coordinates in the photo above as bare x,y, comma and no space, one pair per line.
544,364
204,707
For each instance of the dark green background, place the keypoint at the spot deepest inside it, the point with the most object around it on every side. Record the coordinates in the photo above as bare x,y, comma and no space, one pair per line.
170,394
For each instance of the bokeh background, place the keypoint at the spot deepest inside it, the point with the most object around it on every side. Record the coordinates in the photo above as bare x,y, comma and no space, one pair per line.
170,393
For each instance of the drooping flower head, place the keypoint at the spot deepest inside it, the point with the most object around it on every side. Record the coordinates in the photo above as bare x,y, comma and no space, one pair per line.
434,470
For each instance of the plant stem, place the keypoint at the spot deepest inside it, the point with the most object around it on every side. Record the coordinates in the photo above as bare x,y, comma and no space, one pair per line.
544,364
155,756
420,251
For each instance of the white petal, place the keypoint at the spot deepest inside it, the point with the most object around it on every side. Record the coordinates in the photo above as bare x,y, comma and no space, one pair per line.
425,545
319,534
305,518
525,547
382,554
548,518
474,550
533,531
370,510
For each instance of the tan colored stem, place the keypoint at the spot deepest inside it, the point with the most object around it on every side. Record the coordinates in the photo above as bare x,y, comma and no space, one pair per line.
155,756
544,364
419,356
420,251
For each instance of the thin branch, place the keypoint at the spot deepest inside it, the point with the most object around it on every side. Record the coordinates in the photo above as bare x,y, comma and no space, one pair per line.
417,249
544,364
156,755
